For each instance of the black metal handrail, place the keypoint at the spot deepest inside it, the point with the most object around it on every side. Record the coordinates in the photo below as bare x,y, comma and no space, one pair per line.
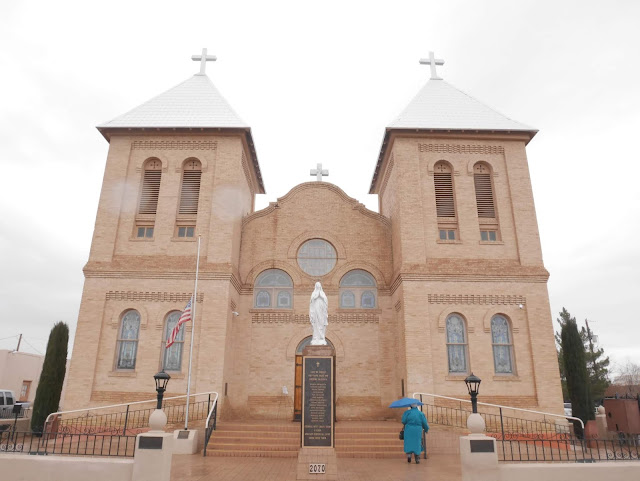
67,444
129,421
210,423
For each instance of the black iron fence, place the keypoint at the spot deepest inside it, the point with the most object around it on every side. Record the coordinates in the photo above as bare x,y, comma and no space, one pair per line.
566,448
20,442
131,420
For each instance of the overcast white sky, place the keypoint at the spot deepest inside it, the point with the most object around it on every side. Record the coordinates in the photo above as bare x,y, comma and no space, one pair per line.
318,82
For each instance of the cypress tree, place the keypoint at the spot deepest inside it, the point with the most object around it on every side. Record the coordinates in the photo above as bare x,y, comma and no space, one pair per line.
52,376
575,370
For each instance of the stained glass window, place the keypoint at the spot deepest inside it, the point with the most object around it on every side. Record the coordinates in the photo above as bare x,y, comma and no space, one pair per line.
128,340
358,284
173,355
317,257
274,290
456,344
502,345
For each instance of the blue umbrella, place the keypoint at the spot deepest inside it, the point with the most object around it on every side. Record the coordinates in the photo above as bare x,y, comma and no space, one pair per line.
405,402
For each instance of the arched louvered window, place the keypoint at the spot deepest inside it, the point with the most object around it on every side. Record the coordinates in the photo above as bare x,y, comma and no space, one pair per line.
150,187
484,191
443,182
127,345
190,191
445,202
273,290
358,290
502,343
172,359
456,344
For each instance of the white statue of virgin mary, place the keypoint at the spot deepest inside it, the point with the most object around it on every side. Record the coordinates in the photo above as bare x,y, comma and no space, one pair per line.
318,315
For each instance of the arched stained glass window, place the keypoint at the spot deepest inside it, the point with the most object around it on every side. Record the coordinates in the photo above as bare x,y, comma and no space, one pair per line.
317,257
347,299
273,290
360,285
172,360
502,345
127,347
456,344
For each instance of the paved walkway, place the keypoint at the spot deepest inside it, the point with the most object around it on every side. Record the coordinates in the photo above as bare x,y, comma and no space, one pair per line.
198,468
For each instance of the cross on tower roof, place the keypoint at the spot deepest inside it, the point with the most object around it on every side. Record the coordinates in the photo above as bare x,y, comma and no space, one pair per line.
432,61
318,172
203,59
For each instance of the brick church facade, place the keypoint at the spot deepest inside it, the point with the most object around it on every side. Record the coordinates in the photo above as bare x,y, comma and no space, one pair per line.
446,279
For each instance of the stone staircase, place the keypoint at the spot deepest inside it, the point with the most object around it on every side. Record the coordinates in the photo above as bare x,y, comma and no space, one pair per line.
353,439
277,439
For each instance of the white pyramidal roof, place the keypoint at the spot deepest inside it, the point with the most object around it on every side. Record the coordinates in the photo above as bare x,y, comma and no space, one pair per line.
441,106
195,103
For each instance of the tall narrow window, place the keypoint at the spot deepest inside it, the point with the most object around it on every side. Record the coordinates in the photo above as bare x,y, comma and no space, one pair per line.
172,360
128,340
445,202
150,187
273,290
358,290
443,181
485,203
190,191
456,344
484,191
502,345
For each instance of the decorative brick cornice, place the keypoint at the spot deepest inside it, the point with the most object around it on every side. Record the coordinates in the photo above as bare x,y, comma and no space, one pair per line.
174,145
462,149
291,318
152,296
460,299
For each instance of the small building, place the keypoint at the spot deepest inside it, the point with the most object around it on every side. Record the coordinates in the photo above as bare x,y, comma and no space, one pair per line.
20,373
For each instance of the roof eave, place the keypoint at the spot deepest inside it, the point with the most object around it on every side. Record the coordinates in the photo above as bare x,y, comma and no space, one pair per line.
106,132
385,142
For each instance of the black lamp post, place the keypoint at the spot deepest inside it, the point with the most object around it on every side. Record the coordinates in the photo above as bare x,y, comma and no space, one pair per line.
162,379
473,385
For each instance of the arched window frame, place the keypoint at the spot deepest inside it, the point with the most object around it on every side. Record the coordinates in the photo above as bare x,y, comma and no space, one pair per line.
486,207
502,345
444,192
127,342
272,289
361,285
457,344
172,356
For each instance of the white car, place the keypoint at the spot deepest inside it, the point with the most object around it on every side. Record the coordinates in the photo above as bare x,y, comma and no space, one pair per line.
567,409
7,401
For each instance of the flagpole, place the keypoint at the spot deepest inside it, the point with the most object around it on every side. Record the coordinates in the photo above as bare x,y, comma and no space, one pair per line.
193,330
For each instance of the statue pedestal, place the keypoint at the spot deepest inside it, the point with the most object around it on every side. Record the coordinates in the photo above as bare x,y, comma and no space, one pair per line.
317,457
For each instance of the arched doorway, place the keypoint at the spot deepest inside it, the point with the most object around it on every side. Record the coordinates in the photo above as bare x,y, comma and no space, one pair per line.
297,390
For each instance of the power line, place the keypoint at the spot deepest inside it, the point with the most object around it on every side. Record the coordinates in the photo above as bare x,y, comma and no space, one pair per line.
32,347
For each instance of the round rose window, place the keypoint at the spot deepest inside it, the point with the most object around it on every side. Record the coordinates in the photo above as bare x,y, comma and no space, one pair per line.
317,257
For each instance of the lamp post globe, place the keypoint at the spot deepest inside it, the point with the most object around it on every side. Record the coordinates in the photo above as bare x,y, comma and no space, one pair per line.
473,386
162,379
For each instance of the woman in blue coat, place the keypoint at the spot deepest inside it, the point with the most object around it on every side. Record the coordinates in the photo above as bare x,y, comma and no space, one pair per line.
414,422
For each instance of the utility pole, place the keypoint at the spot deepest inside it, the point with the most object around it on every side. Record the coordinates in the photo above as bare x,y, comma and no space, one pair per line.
19,341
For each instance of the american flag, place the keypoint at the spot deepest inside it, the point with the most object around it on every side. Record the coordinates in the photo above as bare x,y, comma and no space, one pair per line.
186,316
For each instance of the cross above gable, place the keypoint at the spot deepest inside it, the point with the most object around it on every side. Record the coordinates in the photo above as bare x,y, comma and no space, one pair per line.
318,172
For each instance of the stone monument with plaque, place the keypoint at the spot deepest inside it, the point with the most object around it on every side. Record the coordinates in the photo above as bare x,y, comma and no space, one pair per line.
317,456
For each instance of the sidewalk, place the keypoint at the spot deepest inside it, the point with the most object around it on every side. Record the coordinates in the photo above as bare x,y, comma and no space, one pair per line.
198,468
